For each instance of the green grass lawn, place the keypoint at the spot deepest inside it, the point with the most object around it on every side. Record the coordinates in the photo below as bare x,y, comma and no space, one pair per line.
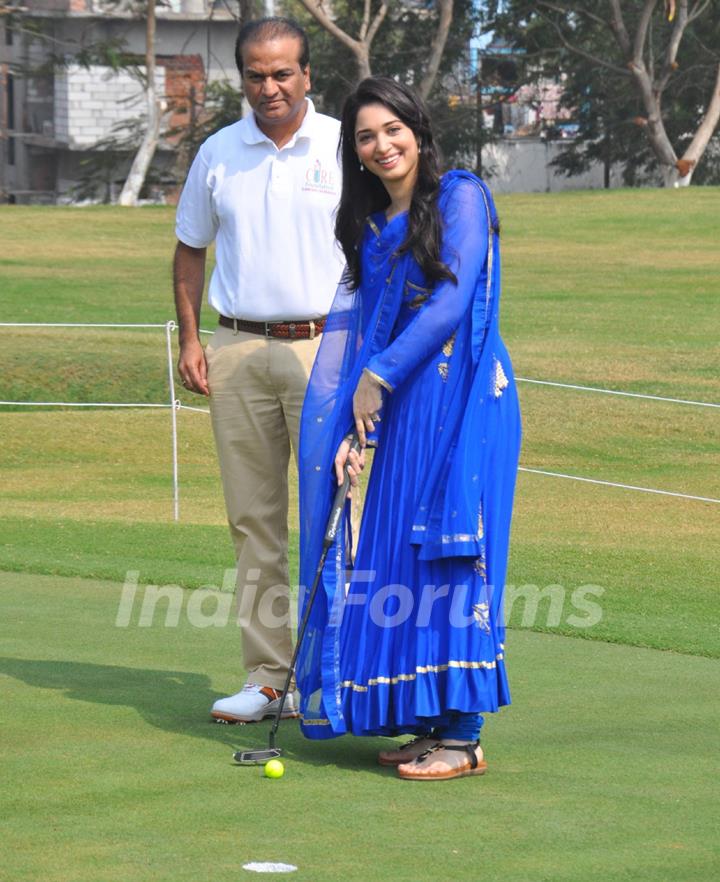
613,289
601,768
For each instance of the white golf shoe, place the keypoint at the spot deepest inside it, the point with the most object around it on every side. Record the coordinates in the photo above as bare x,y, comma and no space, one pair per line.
253,704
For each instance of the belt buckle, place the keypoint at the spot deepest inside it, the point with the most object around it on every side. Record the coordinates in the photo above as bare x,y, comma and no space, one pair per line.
267,329
291,330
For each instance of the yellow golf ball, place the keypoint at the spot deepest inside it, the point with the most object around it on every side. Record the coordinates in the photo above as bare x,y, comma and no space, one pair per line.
274,769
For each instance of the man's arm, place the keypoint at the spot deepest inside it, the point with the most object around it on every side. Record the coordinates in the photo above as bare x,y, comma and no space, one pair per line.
189,281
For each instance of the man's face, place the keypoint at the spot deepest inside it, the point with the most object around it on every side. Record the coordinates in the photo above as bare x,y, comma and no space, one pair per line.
275,84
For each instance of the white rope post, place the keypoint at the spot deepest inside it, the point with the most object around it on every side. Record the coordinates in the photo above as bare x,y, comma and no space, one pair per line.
174,404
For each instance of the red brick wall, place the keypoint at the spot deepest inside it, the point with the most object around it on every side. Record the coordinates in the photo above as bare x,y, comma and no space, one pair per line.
185,90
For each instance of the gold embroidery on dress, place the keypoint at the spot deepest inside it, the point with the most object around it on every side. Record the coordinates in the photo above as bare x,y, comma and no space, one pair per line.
481,529
481,614
449,345
443,370
479,567
501,381
420,298
373,226
417,302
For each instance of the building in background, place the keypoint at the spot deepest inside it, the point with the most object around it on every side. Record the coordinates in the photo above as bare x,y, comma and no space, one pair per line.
69,118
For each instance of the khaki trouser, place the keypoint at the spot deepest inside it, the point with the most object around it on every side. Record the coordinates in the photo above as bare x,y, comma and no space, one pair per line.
257,386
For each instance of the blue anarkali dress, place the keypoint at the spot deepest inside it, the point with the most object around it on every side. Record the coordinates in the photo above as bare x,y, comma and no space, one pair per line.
415,629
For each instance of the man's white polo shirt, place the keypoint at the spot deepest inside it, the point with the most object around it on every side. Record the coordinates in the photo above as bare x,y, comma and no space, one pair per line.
271,214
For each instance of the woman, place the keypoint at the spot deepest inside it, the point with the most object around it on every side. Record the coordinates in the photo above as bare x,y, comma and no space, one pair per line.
410,641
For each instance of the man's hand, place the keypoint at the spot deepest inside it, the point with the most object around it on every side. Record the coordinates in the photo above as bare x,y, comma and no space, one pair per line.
192,367
188,279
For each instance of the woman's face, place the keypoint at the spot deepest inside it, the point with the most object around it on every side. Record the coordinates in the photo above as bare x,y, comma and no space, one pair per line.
386,146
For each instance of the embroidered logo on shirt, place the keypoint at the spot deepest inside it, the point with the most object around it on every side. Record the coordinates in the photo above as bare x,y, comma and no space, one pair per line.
319,179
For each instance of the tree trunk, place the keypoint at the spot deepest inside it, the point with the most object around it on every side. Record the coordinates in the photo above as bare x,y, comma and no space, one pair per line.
691,157
146,151
362,58
607,157
437,48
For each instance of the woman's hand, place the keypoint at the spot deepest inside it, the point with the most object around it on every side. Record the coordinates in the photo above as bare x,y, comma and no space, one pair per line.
354,460
367,402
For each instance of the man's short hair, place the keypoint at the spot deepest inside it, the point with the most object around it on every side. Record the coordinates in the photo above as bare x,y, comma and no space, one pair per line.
272,27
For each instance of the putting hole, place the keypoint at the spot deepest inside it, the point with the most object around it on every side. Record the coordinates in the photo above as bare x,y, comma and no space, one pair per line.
256,867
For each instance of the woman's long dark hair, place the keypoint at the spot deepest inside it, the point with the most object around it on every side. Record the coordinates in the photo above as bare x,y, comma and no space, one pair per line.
363,192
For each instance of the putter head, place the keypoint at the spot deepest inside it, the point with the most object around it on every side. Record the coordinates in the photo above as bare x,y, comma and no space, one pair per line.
256,757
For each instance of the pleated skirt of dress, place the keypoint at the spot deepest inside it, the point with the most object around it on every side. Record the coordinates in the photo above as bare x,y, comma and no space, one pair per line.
419,638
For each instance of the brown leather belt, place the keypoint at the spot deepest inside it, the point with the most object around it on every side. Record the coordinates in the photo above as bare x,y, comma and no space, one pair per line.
285,330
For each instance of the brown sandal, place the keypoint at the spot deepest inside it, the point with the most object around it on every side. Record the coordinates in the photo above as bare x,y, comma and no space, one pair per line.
385,758
474,766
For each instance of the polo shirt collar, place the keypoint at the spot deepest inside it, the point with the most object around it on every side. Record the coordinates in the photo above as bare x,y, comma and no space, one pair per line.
252,134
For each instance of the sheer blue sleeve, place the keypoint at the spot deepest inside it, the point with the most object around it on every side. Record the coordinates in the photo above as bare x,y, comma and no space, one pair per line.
464,250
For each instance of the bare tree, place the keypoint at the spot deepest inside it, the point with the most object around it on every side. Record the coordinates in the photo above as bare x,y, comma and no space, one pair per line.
650,70
136,176
360,46
651,80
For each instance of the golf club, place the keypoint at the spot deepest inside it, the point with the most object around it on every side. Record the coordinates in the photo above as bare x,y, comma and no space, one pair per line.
259,757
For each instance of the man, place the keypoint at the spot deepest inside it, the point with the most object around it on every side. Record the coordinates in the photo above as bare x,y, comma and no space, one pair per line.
265,190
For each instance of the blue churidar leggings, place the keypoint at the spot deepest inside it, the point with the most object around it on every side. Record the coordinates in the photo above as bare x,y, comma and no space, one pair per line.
456,726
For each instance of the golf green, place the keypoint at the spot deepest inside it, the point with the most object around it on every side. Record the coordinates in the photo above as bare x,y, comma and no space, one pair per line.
602,769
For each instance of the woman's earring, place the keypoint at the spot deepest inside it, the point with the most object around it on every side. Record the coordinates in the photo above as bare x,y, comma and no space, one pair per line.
362,167
419,146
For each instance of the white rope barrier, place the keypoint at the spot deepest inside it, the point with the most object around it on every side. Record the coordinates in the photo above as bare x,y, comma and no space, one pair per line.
616,392
622,486
177,405
80,404
174,404
193,409
76,325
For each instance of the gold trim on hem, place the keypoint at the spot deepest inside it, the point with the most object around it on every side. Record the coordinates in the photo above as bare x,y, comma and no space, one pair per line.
379,379
422,669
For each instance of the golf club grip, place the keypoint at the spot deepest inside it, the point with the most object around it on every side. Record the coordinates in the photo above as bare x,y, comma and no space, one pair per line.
339,501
